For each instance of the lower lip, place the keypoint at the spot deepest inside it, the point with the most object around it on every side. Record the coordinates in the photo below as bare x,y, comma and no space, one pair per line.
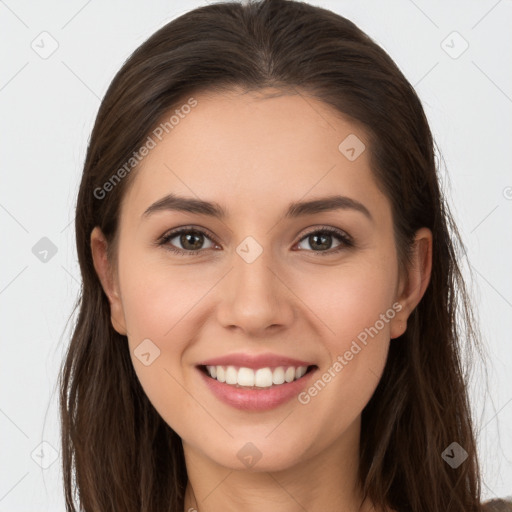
262,399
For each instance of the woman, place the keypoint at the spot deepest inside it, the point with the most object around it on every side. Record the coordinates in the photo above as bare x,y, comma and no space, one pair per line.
270,280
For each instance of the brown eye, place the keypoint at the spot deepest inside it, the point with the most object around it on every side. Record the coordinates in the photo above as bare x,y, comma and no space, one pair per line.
321,240
190,240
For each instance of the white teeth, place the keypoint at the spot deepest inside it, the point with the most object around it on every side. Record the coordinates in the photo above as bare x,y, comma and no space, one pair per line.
260,378
221,374
278,376
231,375
300,371
245,377
263,378
289,374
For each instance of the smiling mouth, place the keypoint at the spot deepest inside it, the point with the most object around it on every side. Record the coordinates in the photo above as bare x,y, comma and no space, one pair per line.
259,379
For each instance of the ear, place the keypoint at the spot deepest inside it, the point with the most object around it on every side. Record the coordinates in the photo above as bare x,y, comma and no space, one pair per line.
414,282
108,279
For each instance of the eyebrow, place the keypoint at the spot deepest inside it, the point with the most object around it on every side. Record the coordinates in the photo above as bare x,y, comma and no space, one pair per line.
295,209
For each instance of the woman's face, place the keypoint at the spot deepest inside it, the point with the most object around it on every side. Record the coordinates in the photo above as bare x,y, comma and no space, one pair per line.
265,285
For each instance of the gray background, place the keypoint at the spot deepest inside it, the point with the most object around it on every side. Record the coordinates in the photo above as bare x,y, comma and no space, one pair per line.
48,104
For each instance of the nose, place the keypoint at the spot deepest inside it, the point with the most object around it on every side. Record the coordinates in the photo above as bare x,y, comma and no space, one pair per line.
254,297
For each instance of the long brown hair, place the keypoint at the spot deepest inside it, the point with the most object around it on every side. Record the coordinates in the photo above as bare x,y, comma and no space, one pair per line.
118,453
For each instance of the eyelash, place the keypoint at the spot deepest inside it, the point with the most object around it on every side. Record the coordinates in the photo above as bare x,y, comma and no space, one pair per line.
346,241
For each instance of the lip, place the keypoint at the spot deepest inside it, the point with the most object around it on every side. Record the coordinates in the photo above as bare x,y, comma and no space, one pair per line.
256,399
254,361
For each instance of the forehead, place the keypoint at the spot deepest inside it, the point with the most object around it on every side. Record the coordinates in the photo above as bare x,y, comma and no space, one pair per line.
254,149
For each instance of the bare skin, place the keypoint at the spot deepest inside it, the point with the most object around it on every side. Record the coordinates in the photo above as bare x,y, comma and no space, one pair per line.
253,156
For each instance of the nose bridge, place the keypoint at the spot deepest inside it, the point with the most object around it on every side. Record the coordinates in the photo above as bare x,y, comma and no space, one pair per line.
253,273
253,297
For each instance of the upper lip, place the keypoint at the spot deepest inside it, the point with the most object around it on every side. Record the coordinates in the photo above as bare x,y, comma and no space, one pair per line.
254,361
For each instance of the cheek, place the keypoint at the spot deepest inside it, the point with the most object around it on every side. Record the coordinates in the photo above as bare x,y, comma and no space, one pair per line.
157,299
352,297
355,304
357,307
158,306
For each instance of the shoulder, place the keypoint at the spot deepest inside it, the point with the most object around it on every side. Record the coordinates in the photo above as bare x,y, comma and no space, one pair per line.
498,505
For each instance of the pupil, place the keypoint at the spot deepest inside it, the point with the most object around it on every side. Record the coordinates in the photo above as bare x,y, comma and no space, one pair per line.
185,239
324,245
